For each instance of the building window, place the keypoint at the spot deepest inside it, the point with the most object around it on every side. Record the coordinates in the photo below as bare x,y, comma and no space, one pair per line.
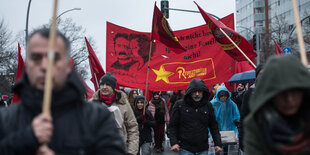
278,2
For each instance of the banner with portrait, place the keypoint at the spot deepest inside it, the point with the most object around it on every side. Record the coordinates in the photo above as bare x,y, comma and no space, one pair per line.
127,58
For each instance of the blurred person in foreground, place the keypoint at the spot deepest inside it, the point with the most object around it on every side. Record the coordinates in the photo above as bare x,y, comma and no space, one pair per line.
75,126
279,118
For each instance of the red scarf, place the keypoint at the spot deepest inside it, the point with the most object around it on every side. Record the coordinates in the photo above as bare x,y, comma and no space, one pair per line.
107,100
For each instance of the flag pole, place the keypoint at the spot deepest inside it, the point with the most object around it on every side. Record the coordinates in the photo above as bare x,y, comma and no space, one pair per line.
96,81
46,107
147,76
251,62
303,56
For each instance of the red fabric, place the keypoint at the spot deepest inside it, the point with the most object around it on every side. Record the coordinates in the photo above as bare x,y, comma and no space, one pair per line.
149,94
95,67
159,135
243,66
215,25
278,49
89,91
229,86
162,32
20,69
108,99
203,59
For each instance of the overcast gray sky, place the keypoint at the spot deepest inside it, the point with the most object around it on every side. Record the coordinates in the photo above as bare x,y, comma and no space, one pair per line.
133,14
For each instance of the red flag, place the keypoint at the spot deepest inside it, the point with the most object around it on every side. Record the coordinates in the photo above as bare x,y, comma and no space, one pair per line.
89,91
162,32
95,67
20,69
203,59
215,25
278,49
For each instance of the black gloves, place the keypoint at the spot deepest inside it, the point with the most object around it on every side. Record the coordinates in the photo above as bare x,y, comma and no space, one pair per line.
237,123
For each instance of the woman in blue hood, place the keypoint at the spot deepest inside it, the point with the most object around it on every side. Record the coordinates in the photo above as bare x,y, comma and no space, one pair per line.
226,111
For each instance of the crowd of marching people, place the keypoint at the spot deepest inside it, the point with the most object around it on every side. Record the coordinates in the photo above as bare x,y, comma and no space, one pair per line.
269,116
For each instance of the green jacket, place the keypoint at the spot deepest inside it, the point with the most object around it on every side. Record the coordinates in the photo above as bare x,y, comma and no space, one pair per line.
280,73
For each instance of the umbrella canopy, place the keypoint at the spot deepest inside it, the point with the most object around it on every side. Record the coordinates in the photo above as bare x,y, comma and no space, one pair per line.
244,77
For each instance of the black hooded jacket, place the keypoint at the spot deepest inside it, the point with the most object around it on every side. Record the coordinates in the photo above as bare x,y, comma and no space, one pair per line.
79,127
190,120
145,128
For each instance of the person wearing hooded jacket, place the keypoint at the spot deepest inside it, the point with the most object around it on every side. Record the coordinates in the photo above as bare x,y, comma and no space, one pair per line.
245,103
226,111
279,119
75,126
119,105
160,112
146,123
190,120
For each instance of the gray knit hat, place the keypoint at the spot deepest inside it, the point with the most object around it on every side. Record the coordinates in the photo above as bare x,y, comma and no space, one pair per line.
109,79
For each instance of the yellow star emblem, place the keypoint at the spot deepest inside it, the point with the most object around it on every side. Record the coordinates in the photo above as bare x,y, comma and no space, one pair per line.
162,74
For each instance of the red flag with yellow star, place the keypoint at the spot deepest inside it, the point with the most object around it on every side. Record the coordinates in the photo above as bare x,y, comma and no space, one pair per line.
127,57
215,25
162,32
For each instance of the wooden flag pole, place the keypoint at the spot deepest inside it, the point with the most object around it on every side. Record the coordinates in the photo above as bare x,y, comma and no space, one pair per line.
96,81
46,108
303,56
238,48
147,77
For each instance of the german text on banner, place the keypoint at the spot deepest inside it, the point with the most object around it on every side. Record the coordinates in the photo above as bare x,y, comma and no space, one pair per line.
127,56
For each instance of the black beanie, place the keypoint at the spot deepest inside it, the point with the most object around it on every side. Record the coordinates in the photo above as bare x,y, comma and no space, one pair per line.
155,93
109,79
258,69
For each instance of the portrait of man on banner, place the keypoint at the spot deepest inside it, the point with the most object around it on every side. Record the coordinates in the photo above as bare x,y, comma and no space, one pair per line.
131,51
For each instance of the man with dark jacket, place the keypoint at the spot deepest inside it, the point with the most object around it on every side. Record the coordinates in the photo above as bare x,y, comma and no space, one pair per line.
244,111
237,94
191,118
74,126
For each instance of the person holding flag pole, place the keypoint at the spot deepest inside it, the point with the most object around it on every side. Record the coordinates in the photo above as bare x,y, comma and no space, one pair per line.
67,124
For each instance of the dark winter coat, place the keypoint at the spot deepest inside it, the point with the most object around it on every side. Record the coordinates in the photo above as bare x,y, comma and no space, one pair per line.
79,127
145,128
191,120
244,111
281,73
237,97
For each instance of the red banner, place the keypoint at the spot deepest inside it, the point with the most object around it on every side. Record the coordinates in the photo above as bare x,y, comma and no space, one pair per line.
127,55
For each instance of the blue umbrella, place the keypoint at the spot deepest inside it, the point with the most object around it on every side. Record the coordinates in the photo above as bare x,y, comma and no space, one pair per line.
244,77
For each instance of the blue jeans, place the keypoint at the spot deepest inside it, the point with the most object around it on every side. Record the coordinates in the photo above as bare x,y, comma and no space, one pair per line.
185,152
145,149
